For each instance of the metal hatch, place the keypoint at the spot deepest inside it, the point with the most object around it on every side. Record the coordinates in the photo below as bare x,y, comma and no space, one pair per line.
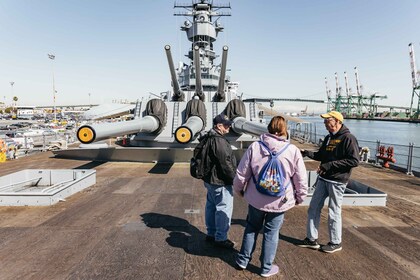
356,194
43,187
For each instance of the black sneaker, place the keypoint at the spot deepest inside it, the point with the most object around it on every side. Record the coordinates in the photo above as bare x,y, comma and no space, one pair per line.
209,238
239,266
331,248
307,243
224,244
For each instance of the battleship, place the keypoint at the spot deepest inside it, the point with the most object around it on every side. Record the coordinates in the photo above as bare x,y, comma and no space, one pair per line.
145,220
166,129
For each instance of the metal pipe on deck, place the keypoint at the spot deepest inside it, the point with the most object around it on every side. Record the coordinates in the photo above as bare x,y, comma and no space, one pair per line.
242,125
185,133
96,132
198,84
220,95
178,94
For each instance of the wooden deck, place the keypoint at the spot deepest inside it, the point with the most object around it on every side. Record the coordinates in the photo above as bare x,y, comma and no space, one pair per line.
146,221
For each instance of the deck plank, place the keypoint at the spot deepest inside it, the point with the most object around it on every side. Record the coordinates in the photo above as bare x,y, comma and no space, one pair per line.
134,224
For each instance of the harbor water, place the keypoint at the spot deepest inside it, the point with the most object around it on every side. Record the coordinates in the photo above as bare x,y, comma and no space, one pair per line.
371,134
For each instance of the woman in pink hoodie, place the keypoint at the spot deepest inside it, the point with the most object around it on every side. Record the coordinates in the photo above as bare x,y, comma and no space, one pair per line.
265,210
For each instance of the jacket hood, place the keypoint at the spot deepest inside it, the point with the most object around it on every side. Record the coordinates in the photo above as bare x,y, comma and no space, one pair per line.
343,130
275,143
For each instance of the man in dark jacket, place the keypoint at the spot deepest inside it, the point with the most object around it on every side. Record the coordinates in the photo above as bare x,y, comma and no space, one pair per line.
221,166
338,154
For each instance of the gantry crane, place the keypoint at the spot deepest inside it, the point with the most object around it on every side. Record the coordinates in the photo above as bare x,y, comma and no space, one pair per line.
415,76
352,104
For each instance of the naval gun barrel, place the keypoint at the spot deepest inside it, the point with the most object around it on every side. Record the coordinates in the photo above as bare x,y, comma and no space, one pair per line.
185,133
178,94
195,114
220,95
242,125
96,132
198,84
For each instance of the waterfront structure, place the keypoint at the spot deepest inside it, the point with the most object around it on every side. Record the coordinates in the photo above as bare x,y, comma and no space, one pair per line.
25,112
352,104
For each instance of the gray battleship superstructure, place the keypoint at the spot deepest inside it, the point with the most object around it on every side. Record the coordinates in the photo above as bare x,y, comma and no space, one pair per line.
167,128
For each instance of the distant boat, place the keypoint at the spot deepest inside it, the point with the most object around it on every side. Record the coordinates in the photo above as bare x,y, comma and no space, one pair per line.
304,112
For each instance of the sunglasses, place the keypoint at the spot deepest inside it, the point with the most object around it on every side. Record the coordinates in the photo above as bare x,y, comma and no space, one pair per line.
328,120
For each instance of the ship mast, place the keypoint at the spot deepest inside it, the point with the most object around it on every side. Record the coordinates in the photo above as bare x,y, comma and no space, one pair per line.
202,28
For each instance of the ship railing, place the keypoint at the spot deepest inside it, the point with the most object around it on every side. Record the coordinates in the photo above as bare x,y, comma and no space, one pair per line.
40,143
406,156
303,132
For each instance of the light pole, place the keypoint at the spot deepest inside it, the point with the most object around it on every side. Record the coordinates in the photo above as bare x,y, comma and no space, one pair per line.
11,85
52,57
89,100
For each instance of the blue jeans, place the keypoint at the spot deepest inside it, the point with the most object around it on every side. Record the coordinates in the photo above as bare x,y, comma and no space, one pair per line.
272,223
324,189
219,207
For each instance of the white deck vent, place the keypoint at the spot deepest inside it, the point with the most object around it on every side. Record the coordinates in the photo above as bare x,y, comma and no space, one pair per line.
356,194
41,187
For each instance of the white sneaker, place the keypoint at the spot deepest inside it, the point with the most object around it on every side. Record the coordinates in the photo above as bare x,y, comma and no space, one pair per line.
273,271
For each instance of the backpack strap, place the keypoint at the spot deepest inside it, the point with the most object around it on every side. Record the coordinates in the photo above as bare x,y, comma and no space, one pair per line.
283,149
265,147
273,153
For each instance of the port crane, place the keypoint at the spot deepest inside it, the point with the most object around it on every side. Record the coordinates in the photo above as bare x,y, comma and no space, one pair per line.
415,75
352,104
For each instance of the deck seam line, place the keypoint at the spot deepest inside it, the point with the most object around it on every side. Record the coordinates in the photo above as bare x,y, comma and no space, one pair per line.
406,265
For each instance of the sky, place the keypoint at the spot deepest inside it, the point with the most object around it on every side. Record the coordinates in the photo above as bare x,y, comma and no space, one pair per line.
114,50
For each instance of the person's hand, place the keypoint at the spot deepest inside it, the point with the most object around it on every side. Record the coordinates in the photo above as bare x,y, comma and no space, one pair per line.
320,170
304,152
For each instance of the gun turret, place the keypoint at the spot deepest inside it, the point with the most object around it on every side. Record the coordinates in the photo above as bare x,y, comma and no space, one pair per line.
220,94
178,94
236,111
242,125
185,133
198,85
195,113
153,122
96,132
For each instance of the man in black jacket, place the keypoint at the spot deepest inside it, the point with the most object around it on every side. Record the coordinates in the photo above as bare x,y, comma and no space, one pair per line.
221,166
338,154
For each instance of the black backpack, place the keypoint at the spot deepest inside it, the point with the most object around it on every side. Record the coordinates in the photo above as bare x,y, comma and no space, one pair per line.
198,163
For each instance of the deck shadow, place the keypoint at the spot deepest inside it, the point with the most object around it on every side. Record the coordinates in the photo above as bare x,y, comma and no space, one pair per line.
290,240
90,165
161,168
186,236
241,222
